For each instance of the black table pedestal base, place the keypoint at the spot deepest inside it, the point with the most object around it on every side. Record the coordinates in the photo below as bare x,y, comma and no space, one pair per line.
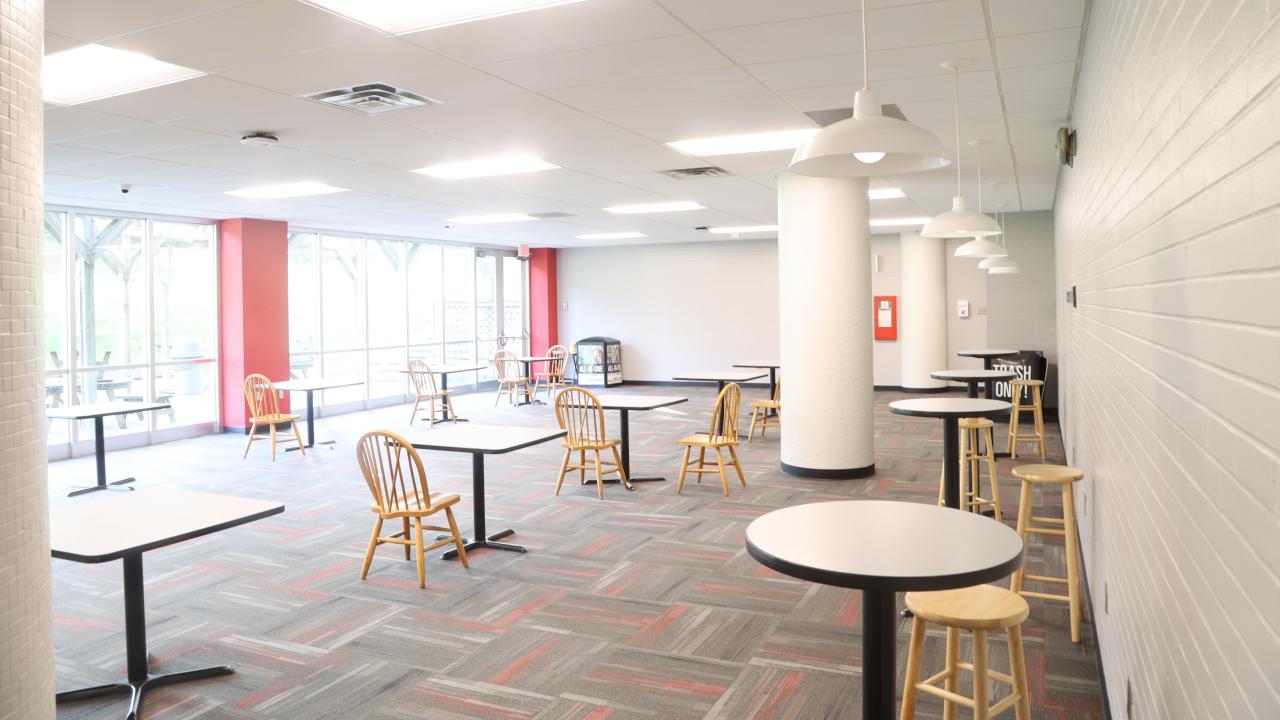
488,542
477,517
879,648
137,690
113,485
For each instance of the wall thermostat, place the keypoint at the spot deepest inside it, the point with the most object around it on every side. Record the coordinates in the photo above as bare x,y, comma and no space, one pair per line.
962,308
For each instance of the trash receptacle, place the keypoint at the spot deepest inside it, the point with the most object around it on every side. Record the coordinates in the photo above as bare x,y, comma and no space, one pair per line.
598,361
1027,364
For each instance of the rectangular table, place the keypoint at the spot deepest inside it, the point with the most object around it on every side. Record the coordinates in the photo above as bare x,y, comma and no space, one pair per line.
527,361
721,378
122,527
311,386
624,403
444,373
480,440
97,412
772,367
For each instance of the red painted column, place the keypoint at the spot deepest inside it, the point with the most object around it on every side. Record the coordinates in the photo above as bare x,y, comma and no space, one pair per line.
543,300
254,313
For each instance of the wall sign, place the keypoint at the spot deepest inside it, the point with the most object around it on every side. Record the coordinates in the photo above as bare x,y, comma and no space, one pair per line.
885,317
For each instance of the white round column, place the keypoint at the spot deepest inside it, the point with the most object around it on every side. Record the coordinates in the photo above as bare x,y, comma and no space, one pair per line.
26,646
824,318
922,311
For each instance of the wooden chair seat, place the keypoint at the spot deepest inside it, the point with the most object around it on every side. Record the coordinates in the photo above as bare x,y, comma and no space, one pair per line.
435,500
703,440
273,418
602,444
766,404
982,607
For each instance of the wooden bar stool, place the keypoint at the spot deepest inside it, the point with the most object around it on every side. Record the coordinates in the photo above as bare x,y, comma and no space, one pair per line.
1037,411
971,459
978,609
1064,527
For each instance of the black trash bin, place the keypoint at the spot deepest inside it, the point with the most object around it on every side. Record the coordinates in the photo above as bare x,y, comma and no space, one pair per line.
598,361
1027,364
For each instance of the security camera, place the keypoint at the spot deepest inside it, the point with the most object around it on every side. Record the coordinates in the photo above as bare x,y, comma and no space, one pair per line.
447,226
125,188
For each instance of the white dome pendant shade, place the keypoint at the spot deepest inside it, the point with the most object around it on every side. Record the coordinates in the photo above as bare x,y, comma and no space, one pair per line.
869,143
960,221
1000,264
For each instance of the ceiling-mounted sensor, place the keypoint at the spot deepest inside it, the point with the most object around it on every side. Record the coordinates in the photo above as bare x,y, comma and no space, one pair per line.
262,139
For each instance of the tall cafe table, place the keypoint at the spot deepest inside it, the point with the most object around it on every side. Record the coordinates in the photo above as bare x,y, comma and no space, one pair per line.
950,410
624,403
883,547
528,361
988,356
123,527
973,378
97,412
444,372
311,386
772,367
480,440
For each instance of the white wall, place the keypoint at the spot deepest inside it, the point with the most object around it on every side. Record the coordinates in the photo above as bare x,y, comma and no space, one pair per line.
965,282
1169,226
1021,307
886,359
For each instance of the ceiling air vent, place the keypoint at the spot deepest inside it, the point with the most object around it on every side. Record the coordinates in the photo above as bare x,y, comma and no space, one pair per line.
826,117
550,215
709,171
372,99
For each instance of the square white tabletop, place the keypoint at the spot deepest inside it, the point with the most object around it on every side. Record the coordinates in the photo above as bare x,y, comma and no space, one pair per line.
313,384
115,407
480,438
721,375
632,401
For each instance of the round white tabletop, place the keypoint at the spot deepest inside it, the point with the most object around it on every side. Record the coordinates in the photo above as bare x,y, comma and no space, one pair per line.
972,375
986,353
949,407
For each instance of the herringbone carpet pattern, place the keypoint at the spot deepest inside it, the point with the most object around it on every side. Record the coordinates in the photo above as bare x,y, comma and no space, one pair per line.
643,605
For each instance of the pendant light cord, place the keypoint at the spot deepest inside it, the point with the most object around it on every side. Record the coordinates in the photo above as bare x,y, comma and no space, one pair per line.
866,65
956,71
978,147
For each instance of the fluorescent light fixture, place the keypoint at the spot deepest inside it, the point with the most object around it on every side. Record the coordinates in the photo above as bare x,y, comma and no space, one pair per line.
491,219
673,206
403,16
487,167
885,194
892,222
743,229
749,143
612,236
94,72
286,190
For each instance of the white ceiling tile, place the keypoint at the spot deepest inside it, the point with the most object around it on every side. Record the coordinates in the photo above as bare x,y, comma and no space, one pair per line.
1037,77
719,116
375,141
232,156
122,168
203,96
94,20
646,58
57,43
388,60
550,30
713,14
894,91
61,156
1038,48
1056,99
969,106
892,64
143,139
639,156
202,179
682,87
64,123
1015,17
234,36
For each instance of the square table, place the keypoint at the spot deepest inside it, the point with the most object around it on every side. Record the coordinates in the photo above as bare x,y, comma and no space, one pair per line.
311,386
444,372
772,367
98,411
123,527
624,403
721,378
480,440
527,361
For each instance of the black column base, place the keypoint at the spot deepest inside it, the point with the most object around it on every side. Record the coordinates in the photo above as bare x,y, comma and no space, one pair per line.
137,690
829,473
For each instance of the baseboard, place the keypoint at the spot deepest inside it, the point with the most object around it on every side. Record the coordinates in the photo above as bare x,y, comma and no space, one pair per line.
829,473
687,383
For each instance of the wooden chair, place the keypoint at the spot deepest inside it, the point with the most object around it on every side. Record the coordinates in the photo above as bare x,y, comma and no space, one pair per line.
264,409
1065,527
723,435
424,388
760,413
578,411
509,376
1036,406
553,376
979,610
398,482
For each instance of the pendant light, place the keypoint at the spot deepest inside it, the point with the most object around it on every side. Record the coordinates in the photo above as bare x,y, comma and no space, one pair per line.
1001,264
986,245
960,221
869,143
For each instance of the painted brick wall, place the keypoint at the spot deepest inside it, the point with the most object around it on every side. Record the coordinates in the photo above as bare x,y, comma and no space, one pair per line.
26,649
1169,226
1020,308
886,358
965,282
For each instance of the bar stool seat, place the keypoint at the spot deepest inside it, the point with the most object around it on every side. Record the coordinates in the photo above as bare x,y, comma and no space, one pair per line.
1064,527
978,610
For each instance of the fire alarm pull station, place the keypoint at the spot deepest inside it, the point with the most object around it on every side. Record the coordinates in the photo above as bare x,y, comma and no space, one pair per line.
885,322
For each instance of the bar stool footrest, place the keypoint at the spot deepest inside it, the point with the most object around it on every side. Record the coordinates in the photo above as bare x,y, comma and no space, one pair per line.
1045,596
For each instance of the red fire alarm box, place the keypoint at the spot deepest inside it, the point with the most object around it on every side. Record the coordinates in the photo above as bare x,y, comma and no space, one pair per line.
884,319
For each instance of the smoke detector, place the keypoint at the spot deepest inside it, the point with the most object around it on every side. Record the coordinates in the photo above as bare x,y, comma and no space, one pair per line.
372,98
261,139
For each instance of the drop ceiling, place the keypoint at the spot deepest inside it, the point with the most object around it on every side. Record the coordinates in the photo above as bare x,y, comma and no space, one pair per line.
597,87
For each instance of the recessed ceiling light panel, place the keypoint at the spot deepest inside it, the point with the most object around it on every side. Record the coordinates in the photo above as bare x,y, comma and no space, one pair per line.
286,190
94,72
487,167
404,16
673,206
491,219
749,143
612,236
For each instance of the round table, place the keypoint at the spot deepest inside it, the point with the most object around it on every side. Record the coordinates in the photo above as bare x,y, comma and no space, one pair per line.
881,548
971,378
950,410
988,355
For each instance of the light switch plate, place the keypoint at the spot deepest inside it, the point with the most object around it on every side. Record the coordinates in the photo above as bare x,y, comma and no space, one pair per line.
962,308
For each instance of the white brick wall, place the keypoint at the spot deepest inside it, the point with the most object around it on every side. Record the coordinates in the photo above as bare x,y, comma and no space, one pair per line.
965,282
26,651
886,355
1169,226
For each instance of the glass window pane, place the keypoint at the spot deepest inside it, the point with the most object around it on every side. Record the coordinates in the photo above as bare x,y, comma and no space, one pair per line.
348,364
185,296
386,295
53,294
459,297
385,372
102,385
304,293
189,388
111,280
486,300
424,293
513,302
340,309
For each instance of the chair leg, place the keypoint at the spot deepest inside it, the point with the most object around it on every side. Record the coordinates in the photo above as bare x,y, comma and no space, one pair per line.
1073,559
1039,416
582,467
1018,669
414,415
253,429
373,544
991,471
1024,520
733,453
953,660
273,442
684,468
599,477
457,537
964,476
981,682
915,658
408,551
453,414
751,433
498,397
298,436
431,411
617,462
1013,424
422,553
724,479
564,467
702,463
